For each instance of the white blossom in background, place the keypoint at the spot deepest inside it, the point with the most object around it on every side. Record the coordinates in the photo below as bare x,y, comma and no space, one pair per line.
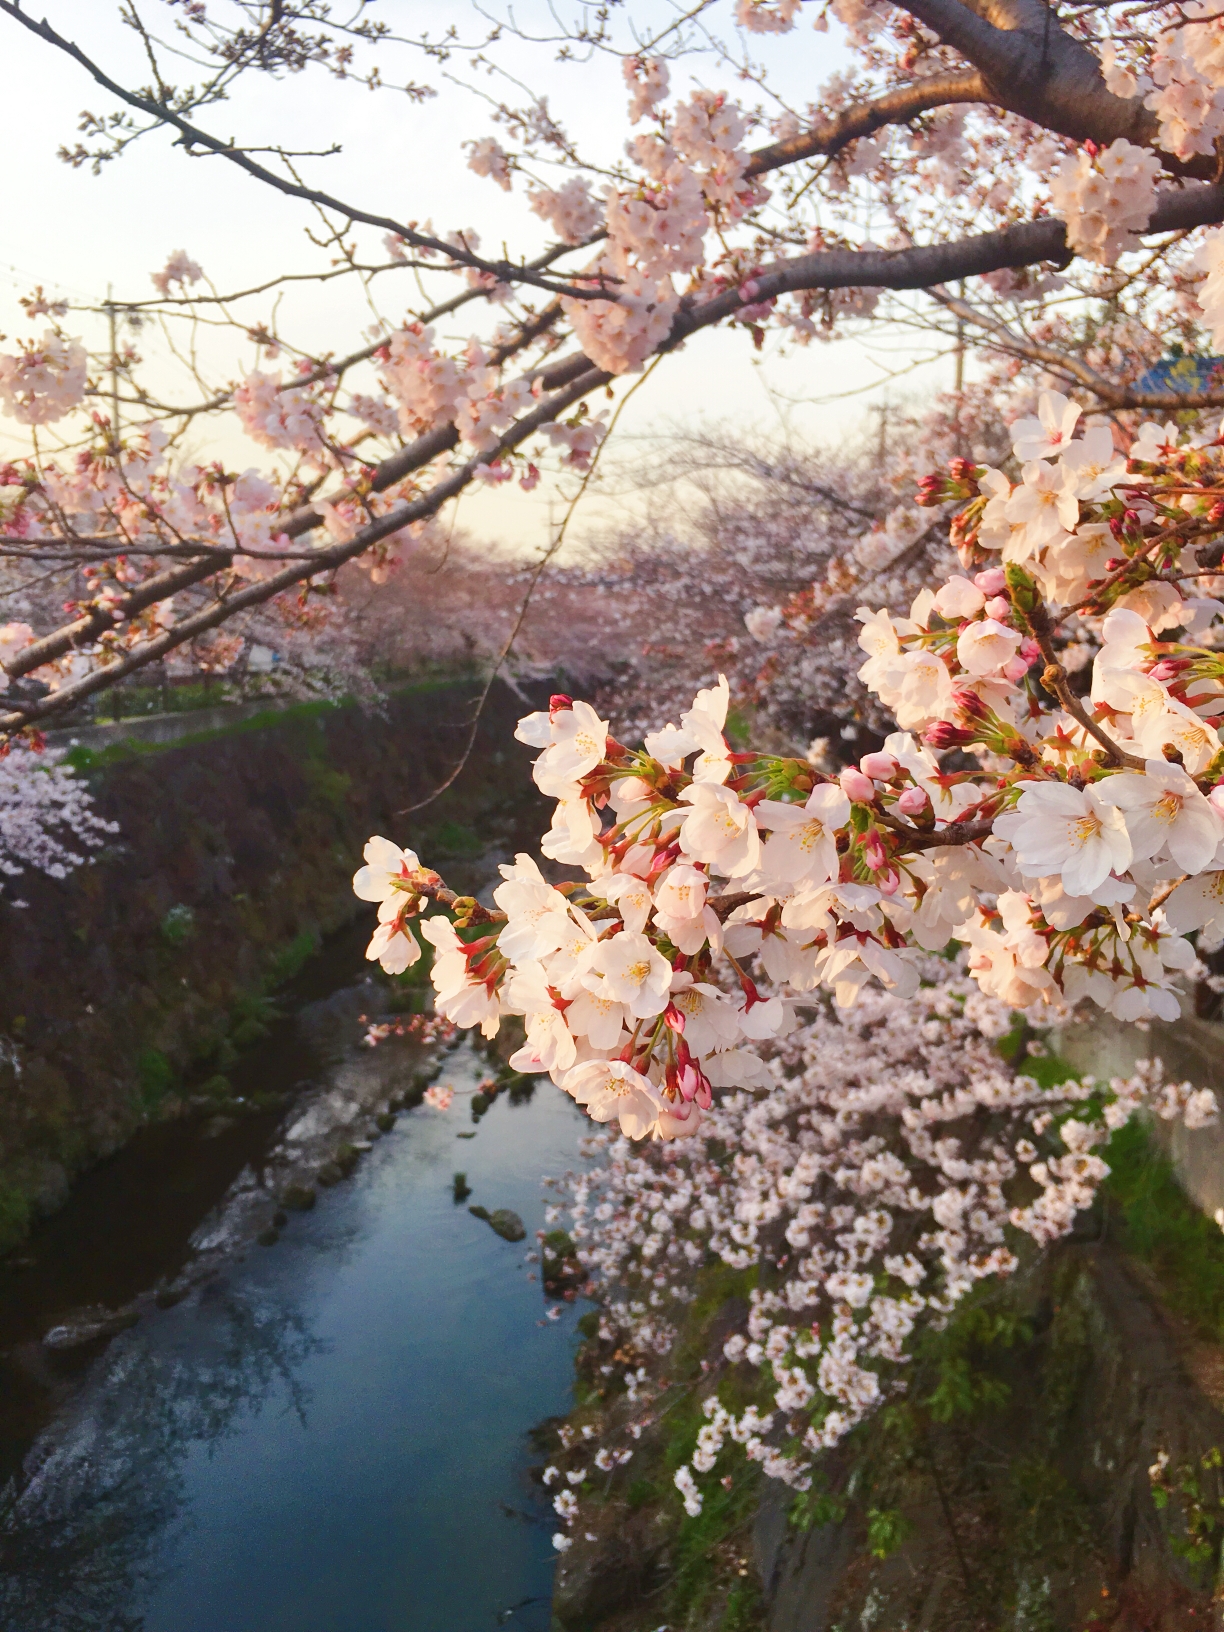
841,1173
47,815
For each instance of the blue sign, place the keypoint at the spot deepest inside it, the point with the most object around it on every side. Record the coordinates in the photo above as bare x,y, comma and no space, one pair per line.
1183,374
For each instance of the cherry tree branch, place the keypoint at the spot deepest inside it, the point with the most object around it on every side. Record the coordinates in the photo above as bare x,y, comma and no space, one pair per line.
161,586
193,136
897,107
1033,68
326,559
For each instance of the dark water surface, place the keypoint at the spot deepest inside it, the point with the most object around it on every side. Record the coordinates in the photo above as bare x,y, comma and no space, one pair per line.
331,1435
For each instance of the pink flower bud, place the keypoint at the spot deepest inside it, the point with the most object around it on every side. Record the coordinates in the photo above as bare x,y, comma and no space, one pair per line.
856,786
942,735
873,853
879,766
695,1085
912,802
1030,651
1164,670
889,883
673,1018
993,581
968,702
558,702
1015,669
998,606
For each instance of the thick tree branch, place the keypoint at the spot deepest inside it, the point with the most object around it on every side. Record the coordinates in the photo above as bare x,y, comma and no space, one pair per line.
919,267
1032,68
830,136
925,265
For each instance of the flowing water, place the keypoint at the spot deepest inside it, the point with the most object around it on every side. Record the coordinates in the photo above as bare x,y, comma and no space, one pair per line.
331,1434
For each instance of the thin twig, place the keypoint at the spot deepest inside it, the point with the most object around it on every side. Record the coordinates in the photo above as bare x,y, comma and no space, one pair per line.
526,602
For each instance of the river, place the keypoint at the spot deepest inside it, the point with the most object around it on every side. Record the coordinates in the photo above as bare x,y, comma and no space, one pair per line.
331,1434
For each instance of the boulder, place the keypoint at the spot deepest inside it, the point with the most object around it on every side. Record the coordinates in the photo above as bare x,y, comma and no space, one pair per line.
507,1224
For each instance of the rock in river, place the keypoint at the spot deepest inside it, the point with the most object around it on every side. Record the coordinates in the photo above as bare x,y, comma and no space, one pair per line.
89,1323
507,1224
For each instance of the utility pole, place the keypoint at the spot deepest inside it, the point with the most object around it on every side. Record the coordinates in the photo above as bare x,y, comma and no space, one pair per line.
114,367
882,411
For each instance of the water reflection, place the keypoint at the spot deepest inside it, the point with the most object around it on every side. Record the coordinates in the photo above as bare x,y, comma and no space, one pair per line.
105,1491
331,1437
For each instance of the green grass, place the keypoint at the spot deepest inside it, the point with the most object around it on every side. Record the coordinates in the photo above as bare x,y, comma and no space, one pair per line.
1158,1223
724,1515
178,925
452,841
95,759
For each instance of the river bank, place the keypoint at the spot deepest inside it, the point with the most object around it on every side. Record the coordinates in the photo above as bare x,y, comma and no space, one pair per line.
130,989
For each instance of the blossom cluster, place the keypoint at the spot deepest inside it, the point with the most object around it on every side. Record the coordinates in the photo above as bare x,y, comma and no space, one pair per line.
893,1162
1106,197
1071,849
43,381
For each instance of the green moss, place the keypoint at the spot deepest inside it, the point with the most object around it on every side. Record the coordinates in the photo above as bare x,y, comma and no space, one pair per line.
452,841
14,1216
1046,1516
178,925
155,1078
291,958
251,1017
1161,1226
328,786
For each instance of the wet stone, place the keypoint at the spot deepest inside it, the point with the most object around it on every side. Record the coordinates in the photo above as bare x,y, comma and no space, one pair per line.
88,1324
505,1223
298,1198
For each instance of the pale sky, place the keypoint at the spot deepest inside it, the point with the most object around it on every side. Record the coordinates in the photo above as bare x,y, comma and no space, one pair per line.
78,234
